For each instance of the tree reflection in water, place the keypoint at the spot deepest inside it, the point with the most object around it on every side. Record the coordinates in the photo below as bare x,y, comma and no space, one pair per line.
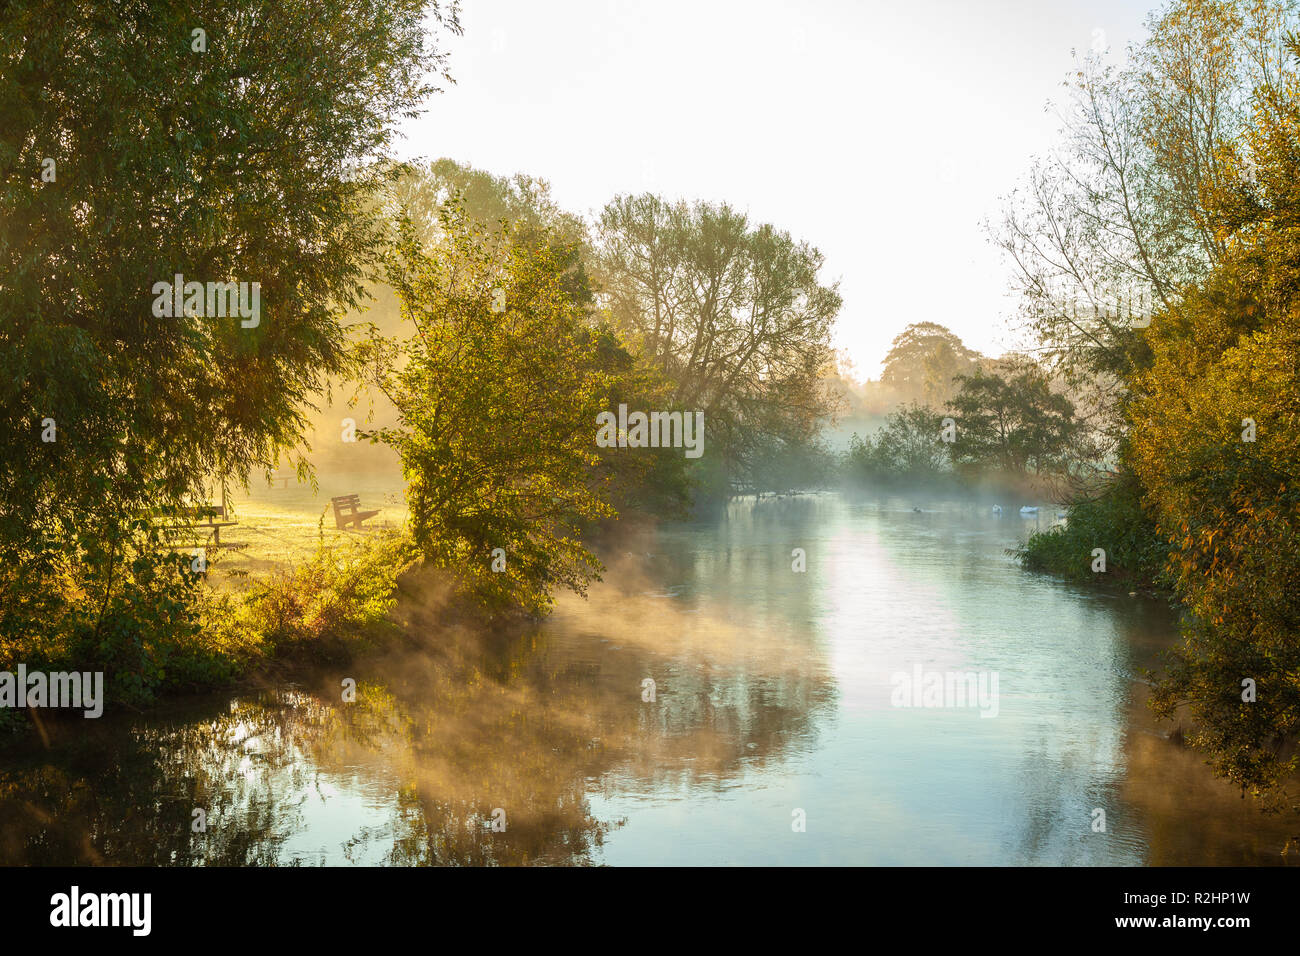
531,720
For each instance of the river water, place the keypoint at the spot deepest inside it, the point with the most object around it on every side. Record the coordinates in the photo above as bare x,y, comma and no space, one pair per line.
771,733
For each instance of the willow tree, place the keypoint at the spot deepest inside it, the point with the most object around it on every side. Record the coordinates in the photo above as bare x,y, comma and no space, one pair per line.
235,142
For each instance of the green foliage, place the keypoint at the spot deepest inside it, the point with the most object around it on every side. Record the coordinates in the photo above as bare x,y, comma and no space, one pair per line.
656,481
521,202
735,316
907,451
1226,491
156,628
1011,424
923,361
781,467
333,605
1199,222
254,160
497,392
1117,221
132,607
251,161
144,622
1116,522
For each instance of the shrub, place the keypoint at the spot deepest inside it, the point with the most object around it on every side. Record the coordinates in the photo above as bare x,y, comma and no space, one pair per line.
1116,522
336,603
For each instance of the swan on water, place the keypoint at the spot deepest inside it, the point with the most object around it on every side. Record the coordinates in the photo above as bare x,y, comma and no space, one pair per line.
997,509
1028,510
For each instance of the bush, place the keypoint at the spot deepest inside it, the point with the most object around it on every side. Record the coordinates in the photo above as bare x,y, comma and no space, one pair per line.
121,601
336,603
1116,522
905,452
498,392
151,625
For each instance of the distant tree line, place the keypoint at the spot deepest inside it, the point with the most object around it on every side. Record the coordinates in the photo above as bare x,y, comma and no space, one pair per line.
992,421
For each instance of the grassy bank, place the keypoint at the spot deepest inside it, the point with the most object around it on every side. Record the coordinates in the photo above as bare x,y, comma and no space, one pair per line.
325,609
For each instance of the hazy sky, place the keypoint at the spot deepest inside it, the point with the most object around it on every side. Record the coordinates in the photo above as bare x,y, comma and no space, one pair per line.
881,131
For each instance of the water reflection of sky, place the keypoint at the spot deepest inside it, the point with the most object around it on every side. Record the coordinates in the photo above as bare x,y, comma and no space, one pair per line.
887,588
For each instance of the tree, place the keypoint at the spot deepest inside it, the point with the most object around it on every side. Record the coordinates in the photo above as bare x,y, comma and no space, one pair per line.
1177,185
734,316
908,449
240,144
923,361
1013,424
1109,228
1216,440
497,393
522,201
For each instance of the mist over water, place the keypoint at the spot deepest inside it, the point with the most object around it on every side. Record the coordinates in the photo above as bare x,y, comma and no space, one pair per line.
772,693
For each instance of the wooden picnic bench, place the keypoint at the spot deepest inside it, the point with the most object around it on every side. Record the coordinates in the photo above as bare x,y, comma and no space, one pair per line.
217,517
347,511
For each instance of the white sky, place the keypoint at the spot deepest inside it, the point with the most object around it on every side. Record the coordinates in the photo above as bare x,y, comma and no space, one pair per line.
881,131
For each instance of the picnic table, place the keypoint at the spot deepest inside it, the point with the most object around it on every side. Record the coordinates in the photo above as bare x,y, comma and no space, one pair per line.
207,518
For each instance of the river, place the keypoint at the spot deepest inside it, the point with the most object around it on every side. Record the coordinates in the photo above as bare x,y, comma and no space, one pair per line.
770,733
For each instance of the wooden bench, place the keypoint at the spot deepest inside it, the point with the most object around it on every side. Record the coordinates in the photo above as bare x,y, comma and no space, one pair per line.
347,511
199,519
194,520
217,518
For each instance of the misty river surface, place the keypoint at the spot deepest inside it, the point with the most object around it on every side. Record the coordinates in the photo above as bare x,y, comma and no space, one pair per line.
772,695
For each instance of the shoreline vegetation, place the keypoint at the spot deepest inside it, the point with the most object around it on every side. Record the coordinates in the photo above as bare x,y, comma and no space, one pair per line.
483,337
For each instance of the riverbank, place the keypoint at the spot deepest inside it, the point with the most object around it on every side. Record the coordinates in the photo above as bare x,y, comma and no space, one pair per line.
297,594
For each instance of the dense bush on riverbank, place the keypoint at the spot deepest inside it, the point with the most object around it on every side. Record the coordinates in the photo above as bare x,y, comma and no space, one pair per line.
162,631
330,607
1115,522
